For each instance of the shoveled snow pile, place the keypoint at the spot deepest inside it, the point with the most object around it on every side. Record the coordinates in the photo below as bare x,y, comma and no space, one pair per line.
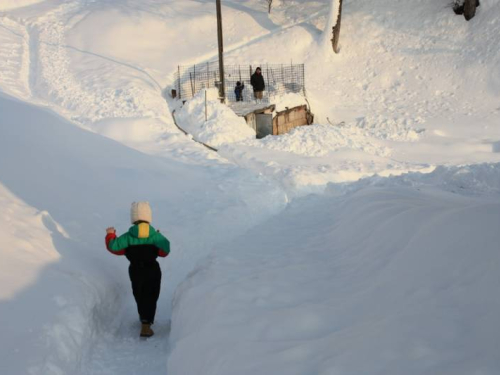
289,100
320,140
391,280
222,126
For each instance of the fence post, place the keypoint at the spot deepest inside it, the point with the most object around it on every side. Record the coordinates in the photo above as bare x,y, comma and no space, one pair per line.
251,93
191,80
179,75
194,77
208,74
206,116
267,74
303,80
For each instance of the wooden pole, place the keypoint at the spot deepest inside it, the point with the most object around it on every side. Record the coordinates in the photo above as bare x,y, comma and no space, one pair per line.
267,86
222,87
208,74
179,72
194,79
191,80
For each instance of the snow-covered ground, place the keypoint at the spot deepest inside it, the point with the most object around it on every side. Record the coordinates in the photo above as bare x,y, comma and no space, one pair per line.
366,243
383,280
211,122
70,303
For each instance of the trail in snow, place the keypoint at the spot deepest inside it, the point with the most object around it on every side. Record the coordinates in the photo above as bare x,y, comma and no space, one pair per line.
15,62
92,314
102,64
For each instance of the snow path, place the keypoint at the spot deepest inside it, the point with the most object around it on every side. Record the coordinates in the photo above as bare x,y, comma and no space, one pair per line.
15,62
199,205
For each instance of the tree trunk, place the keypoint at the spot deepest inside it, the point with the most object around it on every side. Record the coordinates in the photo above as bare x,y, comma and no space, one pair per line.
466,7
336,30
470,9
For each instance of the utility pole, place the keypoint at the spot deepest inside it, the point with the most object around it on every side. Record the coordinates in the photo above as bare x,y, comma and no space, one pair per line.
222,83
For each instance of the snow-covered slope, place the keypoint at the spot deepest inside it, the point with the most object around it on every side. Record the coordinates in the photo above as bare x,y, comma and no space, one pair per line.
385,280
66,300
389,275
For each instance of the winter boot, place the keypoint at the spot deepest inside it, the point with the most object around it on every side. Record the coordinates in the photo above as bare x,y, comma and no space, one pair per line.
146,330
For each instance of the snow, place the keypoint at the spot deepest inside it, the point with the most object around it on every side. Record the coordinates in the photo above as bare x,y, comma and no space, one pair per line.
26,244
212,122
391,280
478,180
72,303
289,100
12,4
319,140
365,243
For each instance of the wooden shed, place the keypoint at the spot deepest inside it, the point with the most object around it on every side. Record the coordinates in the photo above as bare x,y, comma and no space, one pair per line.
265,121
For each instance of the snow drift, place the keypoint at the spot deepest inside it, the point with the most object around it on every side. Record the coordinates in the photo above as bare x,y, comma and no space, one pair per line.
385,280
211,122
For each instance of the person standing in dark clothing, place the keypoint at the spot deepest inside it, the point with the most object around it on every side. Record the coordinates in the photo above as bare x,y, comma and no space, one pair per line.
142,244
238,91
258,84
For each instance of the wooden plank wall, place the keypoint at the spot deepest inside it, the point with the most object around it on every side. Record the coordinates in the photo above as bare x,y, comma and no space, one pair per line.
285,121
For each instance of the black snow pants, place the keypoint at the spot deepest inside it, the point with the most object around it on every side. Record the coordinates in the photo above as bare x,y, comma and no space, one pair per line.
146,281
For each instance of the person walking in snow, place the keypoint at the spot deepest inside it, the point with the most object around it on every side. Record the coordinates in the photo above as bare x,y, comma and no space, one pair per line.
238,91
142,244
258,84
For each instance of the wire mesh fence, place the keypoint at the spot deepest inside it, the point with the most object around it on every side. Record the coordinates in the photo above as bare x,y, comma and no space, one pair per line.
279,79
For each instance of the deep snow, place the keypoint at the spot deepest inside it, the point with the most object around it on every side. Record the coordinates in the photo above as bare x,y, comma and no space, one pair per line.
70,304
385,280
394,273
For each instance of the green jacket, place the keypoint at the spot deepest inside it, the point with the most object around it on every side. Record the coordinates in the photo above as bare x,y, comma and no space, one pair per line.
139,237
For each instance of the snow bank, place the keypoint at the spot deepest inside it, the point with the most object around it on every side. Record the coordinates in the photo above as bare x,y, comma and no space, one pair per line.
289,100
223,126
12,4
52,309
320,140
385,280
308,158
25,245
470,180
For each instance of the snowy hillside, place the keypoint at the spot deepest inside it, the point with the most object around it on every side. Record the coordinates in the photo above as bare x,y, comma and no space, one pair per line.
366,243
385,280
